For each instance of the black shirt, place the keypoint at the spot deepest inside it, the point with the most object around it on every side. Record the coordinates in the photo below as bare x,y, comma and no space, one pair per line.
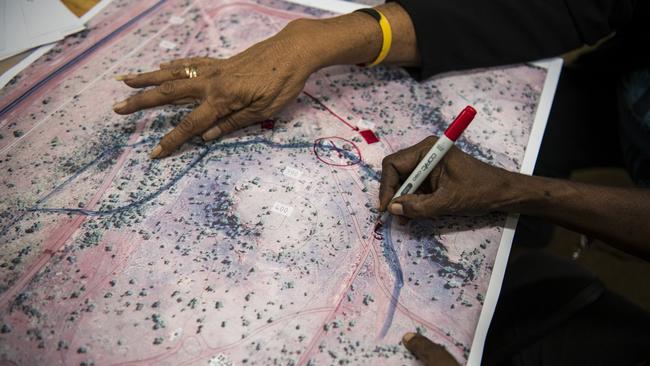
465,34
462,34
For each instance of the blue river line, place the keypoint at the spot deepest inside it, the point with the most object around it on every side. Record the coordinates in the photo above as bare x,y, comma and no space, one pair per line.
113,150
392,259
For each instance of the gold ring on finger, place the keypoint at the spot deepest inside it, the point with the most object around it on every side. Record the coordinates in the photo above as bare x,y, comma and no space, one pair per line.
191,72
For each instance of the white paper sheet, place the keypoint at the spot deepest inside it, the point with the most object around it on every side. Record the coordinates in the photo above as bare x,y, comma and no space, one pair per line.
31,23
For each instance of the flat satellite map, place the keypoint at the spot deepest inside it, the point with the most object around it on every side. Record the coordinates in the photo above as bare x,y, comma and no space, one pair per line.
255,249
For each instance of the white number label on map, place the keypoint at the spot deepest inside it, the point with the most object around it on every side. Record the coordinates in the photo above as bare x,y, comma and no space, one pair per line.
176,20
365,125
282,209
292,172
167,44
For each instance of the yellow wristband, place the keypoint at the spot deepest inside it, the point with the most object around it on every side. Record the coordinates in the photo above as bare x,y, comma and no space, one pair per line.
387,34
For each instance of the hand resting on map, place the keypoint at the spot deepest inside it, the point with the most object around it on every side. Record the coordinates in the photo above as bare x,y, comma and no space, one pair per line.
231,93
463,185
257,83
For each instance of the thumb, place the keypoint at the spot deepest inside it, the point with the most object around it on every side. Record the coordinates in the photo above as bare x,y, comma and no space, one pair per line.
413,206
428,352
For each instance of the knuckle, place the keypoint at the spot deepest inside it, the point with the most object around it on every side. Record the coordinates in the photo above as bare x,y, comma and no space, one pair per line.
167,88
234,122
214,107
418,208
177,73
421,212
387,160
236,105
188,126
265,114
229,124
257,107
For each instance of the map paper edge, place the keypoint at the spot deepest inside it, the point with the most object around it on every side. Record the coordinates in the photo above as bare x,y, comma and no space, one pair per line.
553,68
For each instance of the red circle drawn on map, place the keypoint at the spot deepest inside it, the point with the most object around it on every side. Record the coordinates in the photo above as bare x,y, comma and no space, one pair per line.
326,146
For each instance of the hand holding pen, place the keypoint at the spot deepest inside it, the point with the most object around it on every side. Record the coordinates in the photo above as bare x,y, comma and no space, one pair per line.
441,184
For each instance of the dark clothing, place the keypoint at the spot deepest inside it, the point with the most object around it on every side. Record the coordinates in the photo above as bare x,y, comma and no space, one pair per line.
563,316
552,312
462,34
634,117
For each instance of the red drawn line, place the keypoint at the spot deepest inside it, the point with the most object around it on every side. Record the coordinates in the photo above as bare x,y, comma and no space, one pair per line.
331,111
392,150
338,151
366,248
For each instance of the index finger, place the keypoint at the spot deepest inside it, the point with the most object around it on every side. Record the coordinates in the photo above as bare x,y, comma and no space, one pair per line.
166,93
153,77
199,120
394,167
389,182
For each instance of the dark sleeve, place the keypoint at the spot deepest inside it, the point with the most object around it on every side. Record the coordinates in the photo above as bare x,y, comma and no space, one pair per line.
463,34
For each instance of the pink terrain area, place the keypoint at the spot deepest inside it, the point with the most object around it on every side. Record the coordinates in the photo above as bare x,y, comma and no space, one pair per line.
256,249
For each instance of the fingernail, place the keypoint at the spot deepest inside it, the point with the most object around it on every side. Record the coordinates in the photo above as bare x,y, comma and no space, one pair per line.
119,105
211,134
124,77
407,337
156,152
396,209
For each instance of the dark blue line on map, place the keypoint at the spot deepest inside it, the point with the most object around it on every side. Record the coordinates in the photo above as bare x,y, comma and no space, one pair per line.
393,262
108,152
80,211
77,58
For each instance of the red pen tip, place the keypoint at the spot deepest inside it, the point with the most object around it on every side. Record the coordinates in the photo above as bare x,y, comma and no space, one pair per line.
460,123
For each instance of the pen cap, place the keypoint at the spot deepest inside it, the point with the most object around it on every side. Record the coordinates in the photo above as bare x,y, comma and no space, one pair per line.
460,123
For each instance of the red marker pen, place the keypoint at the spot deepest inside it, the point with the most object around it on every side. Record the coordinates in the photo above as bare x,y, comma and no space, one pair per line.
435,154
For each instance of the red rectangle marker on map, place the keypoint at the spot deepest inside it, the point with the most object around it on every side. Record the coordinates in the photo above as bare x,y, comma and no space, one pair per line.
369,136
268,124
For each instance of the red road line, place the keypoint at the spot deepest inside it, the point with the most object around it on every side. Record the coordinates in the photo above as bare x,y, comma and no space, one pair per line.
405,310
385,139
355,128
337,305
67,232
208,351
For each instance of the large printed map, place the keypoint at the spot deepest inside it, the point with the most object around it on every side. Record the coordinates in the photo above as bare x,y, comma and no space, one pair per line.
254,249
